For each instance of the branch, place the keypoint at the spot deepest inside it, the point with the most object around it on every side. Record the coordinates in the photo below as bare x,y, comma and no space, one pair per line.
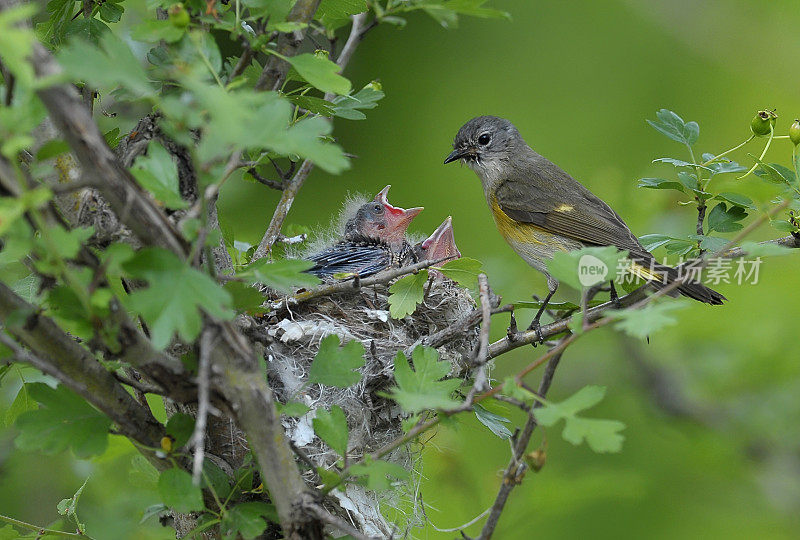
274,73
198,440
130,202
482,355
790,241
55,353
516,467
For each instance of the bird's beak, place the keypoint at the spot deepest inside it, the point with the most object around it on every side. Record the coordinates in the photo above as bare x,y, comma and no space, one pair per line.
397,218
442,242
456,154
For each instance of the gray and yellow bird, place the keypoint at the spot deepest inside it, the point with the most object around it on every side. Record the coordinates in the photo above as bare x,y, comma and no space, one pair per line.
540,209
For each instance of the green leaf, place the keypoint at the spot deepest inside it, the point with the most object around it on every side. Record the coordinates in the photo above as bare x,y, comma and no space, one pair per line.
336,13
110,65
586,267
350,107
62,420
334,365
601,435
463,271
175,295
644,322
158,174
111,12
722,165
376,474
22,403
320,72
180,426
7,532
422,388
16,40
248,519
294,409
709,243
245,298
406,293
284,276
52,149
660,183
724,219
178,492
777,173
493,421
154,510
673,126
766,249
153,31
69,508
89,30
331,427
446,12
679,163
736,199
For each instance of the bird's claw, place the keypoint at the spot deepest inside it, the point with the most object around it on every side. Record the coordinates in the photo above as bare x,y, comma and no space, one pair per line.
512,331
536,327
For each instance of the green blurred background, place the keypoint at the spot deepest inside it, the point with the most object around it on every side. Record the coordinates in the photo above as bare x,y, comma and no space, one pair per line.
712,405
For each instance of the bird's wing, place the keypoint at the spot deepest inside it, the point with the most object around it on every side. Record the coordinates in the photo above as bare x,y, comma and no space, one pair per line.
550,199
361,259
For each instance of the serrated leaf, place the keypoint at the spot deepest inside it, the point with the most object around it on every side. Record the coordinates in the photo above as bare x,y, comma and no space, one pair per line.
421,388
245,298
493,421
463,271
709,243
723,166
601,435
679,163
180,426
673,126
248,519
177,491
175,295
350,107
284,275
378,475
62,420
644,322
157,173
22,403
154,510
110,65
334,365
295,409
111,12
653,241
336,13
320,72
660,183
736,199
90,30
69,508
331,427
153,31
406,293
724,219
586,267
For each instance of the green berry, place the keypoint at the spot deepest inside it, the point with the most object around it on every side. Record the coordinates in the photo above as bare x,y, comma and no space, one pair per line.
763,122
794,132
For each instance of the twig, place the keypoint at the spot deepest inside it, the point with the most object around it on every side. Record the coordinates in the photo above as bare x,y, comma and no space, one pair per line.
516,466
274,184
346,286
198,440
483,348
139,386
326,517
244,61
356,35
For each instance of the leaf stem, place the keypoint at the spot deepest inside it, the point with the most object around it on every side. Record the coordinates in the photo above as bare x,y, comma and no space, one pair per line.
763,153
728,151
41,530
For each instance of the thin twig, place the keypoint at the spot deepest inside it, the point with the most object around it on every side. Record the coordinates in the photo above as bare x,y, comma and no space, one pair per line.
198,440
326,517
482,356
42,531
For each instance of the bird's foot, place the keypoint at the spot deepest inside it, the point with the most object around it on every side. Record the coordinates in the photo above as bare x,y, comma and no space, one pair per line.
536,327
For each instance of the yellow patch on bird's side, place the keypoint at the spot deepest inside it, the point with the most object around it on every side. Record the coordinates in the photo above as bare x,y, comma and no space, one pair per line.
645,273
565,208
513,230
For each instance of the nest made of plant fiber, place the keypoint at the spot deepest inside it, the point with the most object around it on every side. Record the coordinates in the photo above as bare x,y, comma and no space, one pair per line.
373,420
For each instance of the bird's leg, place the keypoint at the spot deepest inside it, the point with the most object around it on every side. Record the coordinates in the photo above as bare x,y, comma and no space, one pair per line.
614,297
535,325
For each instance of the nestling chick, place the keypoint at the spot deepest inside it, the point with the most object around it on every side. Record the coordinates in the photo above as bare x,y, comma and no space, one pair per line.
374,239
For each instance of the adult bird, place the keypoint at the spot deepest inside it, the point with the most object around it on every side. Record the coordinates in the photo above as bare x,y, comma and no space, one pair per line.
540,209
374,239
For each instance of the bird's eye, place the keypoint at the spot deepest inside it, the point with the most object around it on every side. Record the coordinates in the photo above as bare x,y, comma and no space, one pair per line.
484,139
377,208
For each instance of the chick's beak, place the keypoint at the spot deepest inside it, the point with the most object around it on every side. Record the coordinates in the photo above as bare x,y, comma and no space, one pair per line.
442,242
398,219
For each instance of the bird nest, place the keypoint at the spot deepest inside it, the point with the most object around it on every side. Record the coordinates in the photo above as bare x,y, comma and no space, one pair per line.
363,315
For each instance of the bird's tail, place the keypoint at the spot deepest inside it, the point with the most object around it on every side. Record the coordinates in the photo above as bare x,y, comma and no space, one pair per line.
660,276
